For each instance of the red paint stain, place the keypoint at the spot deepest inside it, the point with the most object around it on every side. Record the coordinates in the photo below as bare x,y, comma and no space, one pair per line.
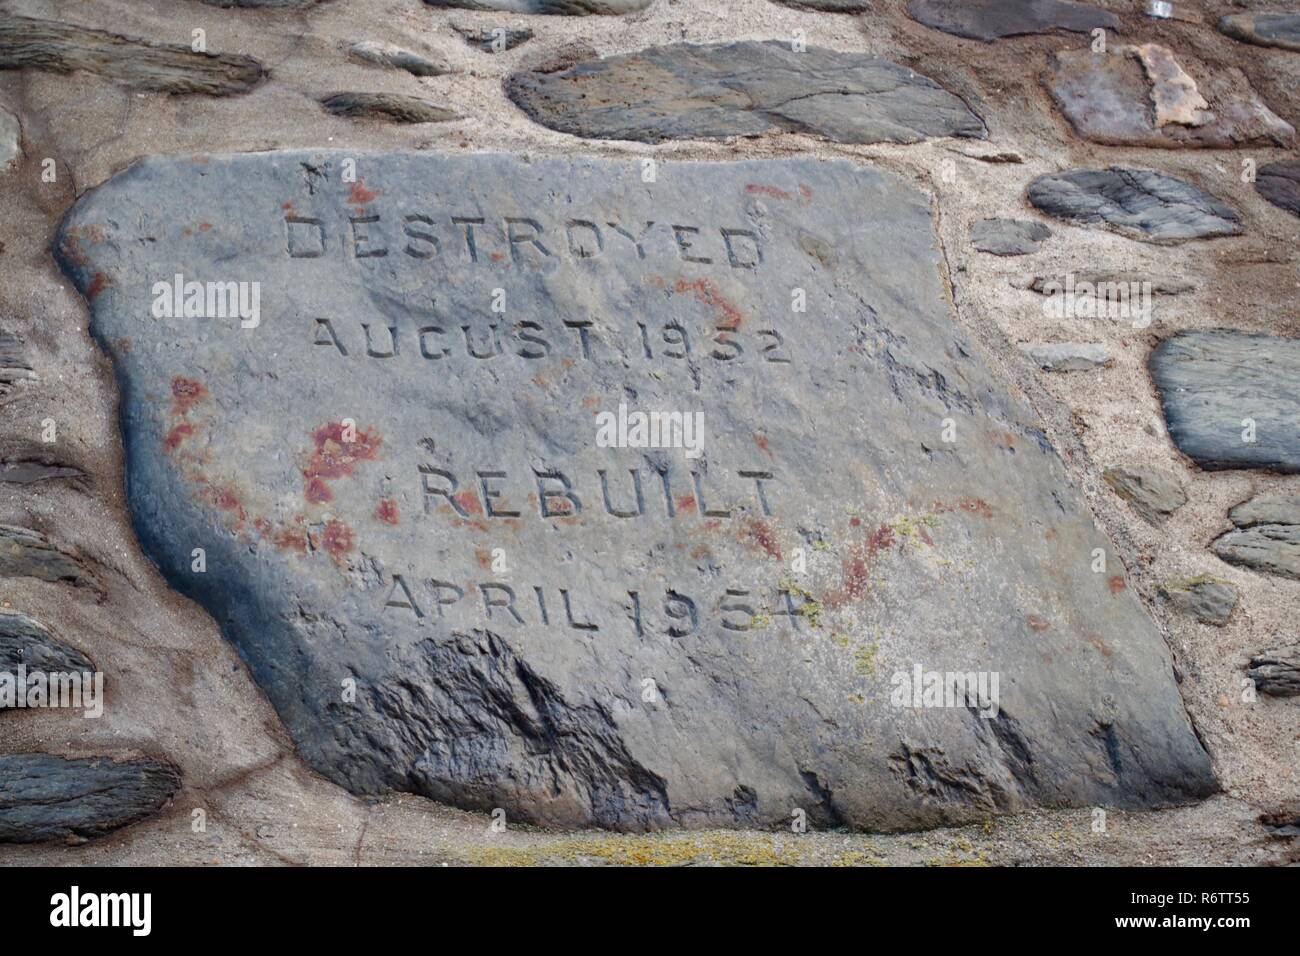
976,506
855,568
757,189
205,226
1100,645
97,285
337,538
855,522
761,442
468,502
1116,584
186,393
386,511
685,503
336,457
360,195
177,435
763,537
1037,623
706,292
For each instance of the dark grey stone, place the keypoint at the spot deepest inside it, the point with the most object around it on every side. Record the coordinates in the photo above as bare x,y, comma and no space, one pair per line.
329,559
1137,203
1269,548
488,40
28,553
1211,383
1277,671
11,139
1009,237
14,366
264,4
26,43
26,641
1067,356
686,91
1159,284
398,107
1154,493
386,54
568,8
1207,599
28,471
1279,183
1267,509
830,6
1281,29
989,20
43,797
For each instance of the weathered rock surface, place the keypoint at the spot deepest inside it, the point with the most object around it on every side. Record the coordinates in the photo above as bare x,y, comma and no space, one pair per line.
27,471
1205,598
14,366
28,553
687,91
1280,29
389,54
43,797
568,8
1009,237
628,571
989,20
1277,671
26,43
398,107
1137,203
1158,284
495,40
264,4
11,139
1142,96
1279,183
830,6
1267,509
1154,493
26,641
1067,356
1267,537
1219,389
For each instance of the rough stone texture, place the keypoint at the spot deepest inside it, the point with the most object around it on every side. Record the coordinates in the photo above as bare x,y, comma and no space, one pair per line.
1154,493
1160,284
388,54
1009,237
1207,599
1141,96
14,366
1279,183
27,553
43,797
398,107
569,8
27,471
1211,382
1277,671
265,4
830,6
1137,203
1269,548
772,695
28,642
687,91
1267,509
486,40
1067,356
989,20
26,43
1264,29
11,139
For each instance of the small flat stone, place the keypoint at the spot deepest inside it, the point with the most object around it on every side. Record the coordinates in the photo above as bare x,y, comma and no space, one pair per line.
1279,183
1213,385
44,797
26,641
11,139
14,366
26,43
1207,599
1137,203
567,8
27,553
1142,96
685,91
1153,493
398,107
1277,672
1158,284
28,471
1009,237
388,54
1267,509
1067,356
990,20
1268,548
830,6
263,4
1280,29
495,40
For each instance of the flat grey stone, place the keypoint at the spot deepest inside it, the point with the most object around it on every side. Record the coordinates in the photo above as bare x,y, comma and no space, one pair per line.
1009,237
1213,385
263,4
1153,492
639,660
1277,671
685,91
29,44
43,797
1281,29
989,20
830,6
1158,284
28,471
568,8
14,366
398,107
1269,548
389,54
1142,96
1067,356
1137,203
1279,183
11,139
1207,599
1267,509
28,553
494,40
25,641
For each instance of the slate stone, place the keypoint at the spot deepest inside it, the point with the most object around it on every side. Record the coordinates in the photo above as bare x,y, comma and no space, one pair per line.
1067,356
369,555
990,20
43,797
1008,237
1211,382
1207,599
1267,509
11,139
1280,29
28,553
1279,183
398,107
1268,548
1153,492
1142,96
14,366
29,44
685,91
1277,671
489,40
263,4
26,641
388,54
830,6
568,8
1159,284
1137,203
28,471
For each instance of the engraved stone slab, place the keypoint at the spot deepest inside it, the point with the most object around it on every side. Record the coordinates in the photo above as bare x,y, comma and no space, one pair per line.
399,487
